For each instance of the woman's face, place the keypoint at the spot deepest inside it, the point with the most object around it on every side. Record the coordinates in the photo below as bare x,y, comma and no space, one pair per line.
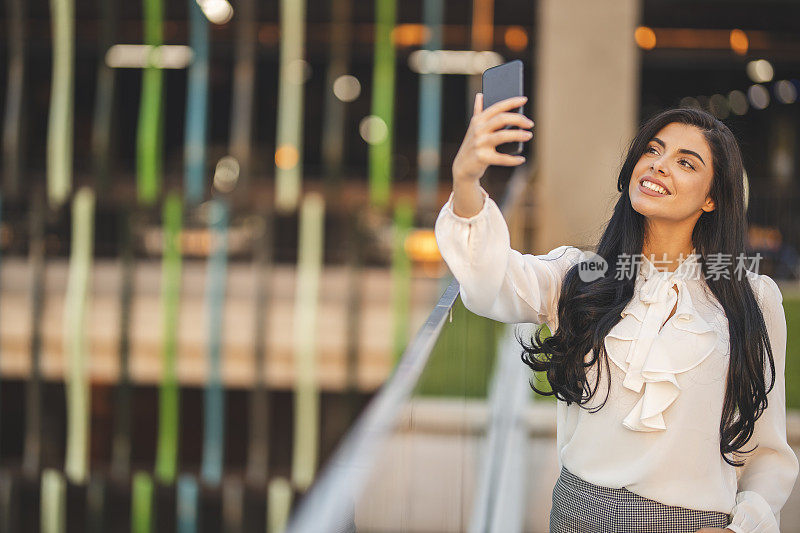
677,158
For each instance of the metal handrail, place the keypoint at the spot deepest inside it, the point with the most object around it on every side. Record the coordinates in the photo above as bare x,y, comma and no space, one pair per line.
347,470
329,503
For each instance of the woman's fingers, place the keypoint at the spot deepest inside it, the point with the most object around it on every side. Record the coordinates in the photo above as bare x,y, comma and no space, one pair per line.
503,105
504,136
478,107
493,157
508,119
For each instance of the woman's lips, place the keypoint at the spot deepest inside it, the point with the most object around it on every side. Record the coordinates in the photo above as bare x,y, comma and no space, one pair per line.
650,192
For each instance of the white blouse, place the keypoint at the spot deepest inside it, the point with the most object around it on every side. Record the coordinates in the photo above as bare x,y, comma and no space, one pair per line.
658,433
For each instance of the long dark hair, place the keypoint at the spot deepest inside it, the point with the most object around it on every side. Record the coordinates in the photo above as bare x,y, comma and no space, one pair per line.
588,310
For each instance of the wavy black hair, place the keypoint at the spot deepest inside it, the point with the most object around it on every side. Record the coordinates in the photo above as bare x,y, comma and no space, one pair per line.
588,310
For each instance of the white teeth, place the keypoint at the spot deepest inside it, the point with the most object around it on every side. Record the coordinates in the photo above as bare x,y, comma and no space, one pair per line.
653,186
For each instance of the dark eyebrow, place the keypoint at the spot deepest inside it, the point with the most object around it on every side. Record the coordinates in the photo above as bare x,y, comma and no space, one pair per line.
681,150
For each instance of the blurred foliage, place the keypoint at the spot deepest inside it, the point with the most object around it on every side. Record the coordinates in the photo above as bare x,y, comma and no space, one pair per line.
462,360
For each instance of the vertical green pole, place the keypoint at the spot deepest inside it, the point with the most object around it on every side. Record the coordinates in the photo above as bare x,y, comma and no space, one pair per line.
289,150
15,90
279,502
142,503
52,511
309,266
401,276
380,153
74,334
168,413
214,395
194,152
59,127
430,117
149,133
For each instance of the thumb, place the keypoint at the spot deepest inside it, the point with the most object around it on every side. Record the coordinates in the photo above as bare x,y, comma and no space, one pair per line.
478,107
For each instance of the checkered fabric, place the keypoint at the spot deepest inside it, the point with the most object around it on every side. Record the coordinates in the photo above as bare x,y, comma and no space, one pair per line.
582,507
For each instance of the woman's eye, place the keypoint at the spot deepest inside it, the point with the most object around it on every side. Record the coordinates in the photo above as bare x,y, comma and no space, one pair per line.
652,150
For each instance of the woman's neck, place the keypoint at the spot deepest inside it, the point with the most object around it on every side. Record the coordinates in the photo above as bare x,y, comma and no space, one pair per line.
667,254
667,243
667,258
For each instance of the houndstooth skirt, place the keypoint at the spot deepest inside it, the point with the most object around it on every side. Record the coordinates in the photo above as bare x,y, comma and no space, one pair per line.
582,507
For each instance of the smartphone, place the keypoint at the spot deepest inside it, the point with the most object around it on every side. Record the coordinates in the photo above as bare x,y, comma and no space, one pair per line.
500,83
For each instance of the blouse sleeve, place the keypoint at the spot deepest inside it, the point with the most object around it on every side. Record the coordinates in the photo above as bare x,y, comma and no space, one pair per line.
768,475
495,280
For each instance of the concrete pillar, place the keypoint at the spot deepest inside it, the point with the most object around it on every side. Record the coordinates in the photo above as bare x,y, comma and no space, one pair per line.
586,111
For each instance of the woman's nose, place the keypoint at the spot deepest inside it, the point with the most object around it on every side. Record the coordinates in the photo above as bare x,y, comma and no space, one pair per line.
658,166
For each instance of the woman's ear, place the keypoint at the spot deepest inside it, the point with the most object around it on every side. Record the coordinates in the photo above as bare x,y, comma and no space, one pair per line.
709,205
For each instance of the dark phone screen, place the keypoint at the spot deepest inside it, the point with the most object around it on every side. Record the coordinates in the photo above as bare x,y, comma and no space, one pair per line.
500,83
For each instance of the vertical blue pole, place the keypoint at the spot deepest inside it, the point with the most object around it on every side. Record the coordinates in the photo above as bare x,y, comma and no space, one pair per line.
430,111
187,504
194,152
214,404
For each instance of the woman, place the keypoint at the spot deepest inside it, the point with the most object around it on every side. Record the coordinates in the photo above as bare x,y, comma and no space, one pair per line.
697,341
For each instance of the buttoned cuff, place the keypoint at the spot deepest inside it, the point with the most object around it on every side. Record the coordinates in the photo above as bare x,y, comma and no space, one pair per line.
752,514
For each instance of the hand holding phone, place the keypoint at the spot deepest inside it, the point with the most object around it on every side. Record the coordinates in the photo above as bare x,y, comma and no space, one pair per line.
501,83
487,130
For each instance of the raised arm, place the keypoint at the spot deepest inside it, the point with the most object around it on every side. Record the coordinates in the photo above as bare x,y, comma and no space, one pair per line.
766,479
497,281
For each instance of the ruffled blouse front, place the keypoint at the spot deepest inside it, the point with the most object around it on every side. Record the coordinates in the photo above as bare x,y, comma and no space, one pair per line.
684,341
658,432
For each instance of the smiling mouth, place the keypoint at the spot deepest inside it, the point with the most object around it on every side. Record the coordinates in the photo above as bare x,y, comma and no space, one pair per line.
652,186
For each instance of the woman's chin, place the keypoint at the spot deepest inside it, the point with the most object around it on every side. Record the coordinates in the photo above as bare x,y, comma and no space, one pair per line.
645,208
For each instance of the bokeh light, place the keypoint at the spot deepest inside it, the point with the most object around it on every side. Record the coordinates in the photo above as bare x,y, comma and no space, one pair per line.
452,61
346,88
373,129
420,245
226,175
739,42
690,101
760,71
645,37
216,11
287,156
718,105
516,38
758,96
410,34
737,101
298,71
785,92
